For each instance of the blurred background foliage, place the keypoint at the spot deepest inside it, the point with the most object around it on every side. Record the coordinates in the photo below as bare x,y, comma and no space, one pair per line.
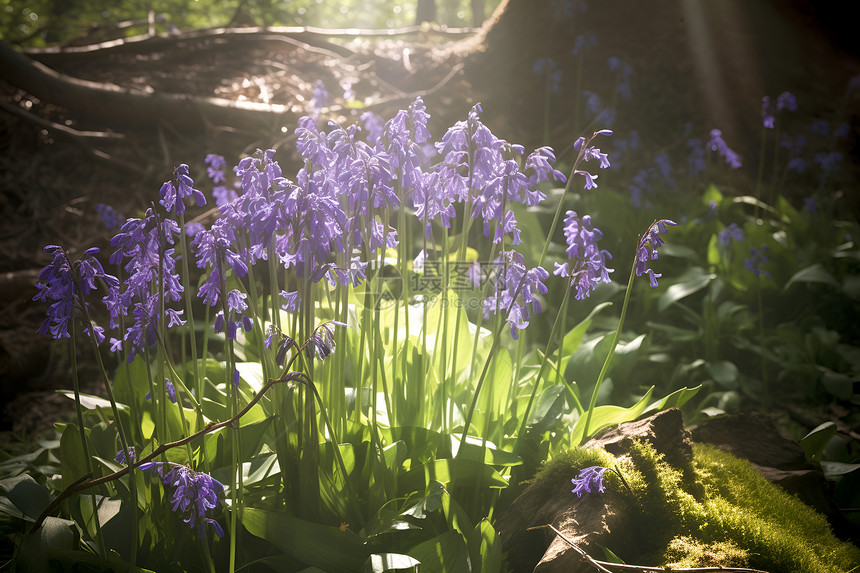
40,22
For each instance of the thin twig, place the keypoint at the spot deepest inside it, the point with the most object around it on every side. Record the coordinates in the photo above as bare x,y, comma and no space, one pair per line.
84,484
602,565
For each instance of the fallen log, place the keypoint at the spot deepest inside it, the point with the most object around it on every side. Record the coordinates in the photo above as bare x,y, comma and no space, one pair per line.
110,105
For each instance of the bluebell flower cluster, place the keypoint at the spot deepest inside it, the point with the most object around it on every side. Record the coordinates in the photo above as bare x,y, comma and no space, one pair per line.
66,285
625,72
152,282
194,496
785,100
516,290
588,478
587,265
731,233
716,143
647,249
583,42
553,73
755,261
587,153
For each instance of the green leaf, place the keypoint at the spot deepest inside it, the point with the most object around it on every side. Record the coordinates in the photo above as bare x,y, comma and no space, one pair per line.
724,373
692,281
91,402
383,562
54,536
29,496
833,469
485,548
314,544
608,416
73,456
815,273
814,442
548,408
457,472
674,400
445,553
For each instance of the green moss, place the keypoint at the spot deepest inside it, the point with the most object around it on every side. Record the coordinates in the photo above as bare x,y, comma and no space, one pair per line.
720,512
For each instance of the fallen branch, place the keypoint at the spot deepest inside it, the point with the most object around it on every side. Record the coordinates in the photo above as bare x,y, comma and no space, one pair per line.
604,565
117,105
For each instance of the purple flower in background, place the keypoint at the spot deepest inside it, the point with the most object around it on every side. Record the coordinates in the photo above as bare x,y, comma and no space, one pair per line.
588,478
120,456
717,144
696,161
216,167
647,249
320,98
625,71
842,130
194,496
552,71
65,285
786,100
171,391
731,233
373,125
828,162
820,127
582,42
174,192
110,217
587,265
755,260
810,204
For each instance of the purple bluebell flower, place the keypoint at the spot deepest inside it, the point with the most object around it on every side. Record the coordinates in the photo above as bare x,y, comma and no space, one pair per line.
588,478
194,495
842,130
755,260
516,290
586,152
696,160
321,342
65,285
810,204
592,102
646,250
171,391
829,162
146,246
549,67
583,42
717,144
731,233
320,98
215,169
110,217
820,127
786,100
283,345
120,456
373,126
587,265
625,71
767,118
174,192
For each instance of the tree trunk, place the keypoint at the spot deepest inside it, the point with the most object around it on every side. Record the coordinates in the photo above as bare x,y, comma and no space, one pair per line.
426,11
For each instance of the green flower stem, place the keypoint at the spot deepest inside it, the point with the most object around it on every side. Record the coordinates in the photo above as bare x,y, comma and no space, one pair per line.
609,356
84,441
189,315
